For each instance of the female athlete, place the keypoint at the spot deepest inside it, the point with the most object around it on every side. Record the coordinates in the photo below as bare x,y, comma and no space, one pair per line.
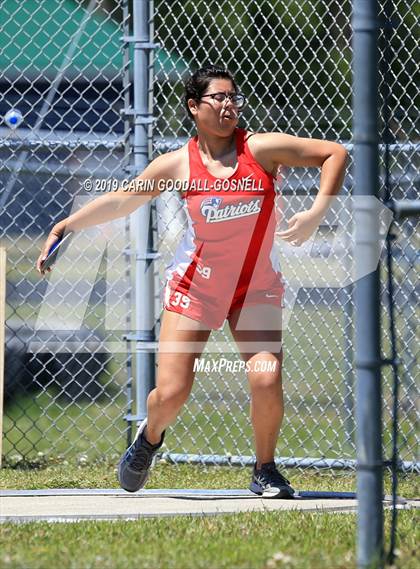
224,268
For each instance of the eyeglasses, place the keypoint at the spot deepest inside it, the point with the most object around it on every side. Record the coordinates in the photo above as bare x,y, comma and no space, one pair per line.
237,99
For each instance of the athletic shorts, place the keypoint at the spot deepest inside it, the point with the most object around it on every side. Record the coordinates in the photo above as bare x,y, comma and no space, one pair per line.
212,311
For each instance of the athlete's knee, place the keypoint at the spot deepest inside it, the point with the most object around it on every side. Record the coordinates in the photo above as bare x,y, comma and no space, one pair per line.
265,371
174,396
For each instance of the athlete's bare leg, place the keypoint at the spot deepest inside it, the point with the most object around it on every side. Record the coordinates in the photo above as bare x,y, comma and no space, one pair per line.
267,407
181,340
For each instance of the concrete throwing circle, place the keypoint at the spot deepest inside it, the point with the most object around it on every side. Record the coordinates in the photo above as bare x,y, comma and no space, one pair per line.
70,505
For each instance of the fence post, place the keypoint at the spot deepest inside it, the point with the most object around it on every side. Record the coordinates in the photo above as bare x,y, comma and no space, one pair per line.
367,298
2,338
143,236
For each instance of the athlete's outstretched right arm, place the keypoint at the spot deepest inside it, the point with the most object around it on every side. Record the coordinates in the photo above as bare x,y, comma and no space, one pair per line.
114,204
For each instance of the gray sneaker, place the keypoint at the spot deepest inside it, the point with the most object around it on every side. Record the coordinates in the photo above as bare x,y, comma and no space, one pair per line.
269,483
135,464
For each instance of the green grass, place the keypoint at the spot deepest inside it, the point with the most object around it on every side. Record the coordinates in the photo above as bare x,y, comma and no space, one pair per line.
41,423
102,474
267,540
240,541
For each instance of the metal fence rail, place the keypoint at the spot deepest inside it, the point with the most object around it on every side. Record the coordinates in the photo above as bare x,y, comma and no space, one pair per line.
293,61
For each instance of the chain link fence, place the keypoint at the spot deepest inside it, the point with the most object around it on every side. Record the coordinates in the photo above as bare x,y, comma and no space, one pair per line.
65,74
69,373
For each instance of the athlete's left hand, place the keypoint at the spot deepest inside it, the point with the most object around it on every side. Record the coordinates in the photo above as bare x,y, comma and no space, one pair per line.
301,226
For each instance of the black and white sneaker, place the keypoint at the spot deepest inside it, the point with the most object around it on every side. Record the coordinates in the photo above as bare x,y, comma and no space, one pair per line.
269,483
135,464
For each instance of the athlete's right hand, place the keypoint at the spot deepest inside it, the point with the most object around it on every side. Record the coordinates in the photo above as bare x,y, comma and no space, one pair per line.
55,235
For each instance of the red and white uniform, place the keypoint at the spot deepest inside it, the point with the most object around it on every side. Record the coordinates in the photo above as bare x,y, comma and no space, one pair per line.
226,258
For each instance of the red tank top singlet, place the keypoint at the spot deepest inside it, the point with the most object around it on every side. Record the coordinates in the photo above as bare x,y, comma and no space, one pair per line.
227,248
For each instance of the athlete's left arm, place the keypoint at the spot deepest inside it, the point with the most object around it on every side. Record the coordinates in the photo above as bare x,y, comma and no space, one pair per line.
275,149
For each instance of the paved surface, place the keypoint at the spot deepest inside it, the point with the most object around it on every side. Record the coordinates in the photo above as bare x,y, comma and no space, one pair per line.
74,505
